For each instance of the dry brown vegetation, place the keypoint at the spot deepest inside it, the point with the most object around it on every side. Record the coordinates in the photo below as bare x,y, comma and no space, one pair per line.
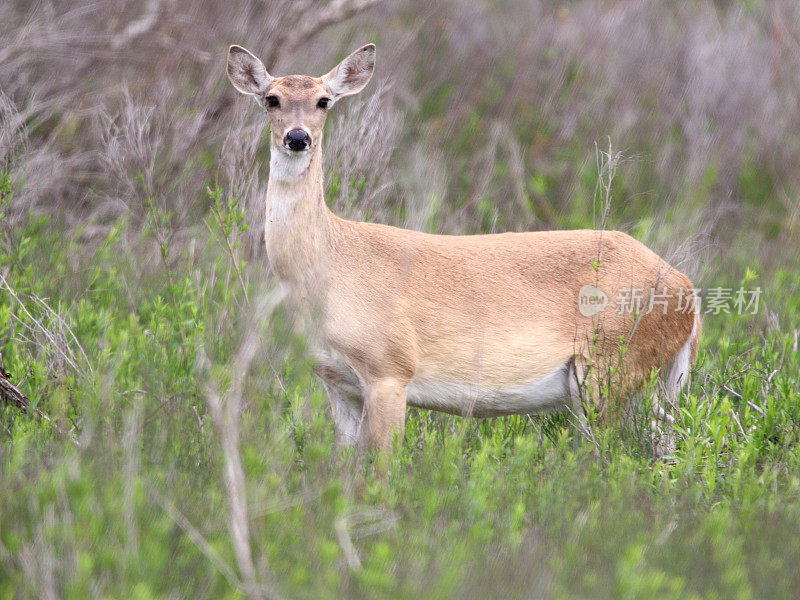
482,115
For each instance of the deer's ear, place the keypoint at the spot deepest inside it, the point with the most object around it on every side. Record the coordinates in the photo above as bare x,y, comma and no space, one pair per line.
247,74
352,74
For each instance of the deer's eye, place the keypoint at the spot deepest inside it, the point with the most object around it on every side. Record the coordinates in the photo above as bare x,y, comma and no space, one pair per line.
273,102
323,102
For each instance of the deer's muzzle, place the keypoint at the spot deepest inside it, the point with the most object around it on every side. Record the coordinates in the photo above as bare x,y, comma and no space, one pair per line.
297,139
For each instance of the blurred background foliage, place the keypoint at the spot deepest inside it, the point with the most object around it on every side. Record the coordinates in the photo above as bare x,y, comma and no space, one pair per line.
189,452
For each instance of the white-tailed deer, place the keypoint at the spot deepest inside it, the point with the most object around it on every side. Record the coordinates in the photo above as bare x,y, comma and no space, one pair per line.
484,325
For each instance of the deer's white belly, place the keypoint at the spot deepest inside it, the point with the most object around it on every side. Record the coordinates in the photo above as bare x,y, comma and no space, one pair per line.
548,394
551,393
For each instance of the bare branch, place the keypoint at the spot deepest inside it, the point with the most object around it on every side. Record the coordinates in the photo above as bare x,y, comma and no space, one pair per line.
309,21
225,412
138,27
335,12
58,337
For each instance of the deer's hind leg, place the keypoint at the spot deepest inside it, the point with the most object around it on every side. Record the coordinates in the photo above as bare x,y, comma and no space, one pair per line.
665,406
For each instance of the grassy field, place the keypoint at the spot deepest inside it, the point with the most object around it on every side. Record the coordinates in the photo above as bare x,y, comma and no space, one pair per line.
155,393
180,446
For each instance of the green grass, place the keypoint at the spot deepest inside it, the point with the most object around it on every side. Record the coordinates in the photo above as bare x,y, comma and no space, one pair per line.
123,493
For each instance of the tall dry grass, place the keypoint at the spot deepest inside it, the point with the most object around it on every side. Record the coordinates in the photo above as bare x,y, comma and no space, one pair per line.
483,100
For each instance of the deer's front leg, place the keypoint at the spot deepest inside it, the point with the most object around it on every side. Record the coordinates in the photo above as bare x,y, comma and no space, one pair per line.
346,398
384,412
347,411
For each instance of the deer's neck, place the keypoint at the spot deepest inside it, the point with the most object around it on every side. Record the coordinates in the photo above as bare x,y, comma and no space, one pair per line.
297,221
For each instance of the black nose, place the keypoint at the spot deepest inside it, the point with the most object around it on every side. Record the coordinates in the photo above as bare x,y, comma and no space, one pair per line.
297,139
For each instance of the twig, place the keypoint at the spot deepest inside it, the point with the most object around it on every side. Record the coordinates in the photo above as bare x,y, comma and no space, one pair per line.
231,252
65,327
199,420
736,418
731,392
197,538
67,353
346,544
158,408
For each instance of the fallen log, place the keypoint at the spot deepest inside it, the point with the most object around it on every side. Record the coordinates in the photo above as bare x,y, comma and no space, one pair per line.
9,391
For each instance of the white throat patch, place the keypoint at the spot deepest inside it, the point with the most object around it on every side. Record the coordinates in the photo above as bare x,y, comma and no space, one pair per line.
286,165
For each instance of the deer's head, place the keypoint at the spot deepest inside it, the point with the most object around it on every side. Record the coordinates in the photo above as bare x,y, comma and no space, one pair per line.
297,105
